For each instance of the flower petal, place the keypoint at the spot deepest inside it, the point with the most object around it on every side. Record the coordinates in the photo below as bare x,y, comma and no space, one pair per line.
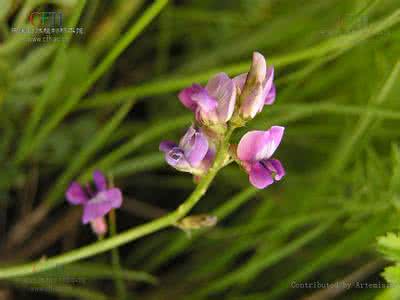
203,99
273,138
101,204
185,96
250,145
257,145
253,101
195,146
258,69
166,146
222,88
176,158
259,176
99,180
208,160
239,81
269,79
270,98
99,226
75,194
275,166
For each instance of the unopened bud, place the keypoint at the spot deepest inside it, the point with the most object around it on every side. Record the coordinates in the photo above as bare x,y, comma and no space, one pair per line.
197,222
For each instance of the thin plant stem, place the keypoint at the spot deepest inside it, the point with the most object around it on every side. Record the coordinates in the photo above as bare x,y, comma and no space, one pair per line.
131,234
116,263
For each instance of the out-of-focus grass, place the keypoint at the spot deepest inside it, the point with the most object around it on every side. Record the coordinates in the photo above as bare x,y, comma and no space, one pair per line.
337,70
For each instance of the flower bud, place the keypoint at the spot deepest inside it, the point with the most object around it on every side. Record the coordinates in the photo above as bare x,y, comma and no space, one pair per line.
256,88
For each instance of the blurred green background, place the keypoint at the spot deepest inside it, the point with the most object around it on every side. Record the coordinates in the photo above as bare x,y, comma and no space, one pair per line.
105,98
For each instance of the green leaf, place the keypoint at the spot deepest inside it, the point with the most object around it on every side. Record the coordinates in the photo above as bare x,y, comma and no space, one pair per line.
389,245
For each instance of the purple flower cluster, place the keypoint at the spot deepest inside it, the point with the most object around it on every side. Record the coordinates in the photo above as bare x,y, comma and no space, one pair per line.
225,102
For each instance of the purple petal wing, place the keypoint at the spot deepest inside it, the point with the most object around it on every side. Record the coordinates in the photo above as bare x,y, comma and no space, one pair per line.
203,99
166,146
276,167
101,204
208,160
176,158
269,79
195,146
270,98
259,176
222,88
99,180
185,96
75,194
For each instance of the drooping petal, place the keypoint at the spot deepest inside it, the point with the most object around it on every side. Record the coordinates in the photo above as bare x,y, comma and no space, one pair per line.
222,88
275,166
101,204
75,194
259,176
195,146
185,96
176,158
99,180
166,146
270,98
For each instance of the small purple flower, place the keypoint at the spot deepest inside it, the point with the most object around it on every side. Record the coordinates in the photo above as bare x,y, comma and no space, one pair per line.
213,104
256,88
193,154
96,204
255,150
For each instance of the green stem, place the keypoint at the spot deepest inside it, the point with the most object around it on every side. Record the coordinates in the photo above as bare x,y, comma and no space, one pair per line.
119,281
132,234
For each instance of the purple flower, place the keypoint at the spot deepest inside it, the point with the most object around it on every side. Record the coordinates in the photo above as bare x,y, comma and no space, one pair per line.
213,104
255,150
96,204
256,88
193,154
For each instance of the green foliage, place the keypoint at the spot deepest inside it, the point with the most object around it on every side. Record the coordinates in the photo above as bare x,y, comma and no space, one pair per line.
104,100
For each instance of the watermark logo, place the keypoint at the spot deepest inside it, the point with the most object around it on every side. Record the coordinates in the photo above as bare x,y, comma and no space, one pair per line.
46,19
46,26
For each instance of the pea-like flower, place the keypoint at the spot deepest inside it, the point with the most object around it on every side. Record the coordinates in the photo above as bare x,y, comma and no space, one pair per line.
96,203
213,104
255,88
255,150
194,154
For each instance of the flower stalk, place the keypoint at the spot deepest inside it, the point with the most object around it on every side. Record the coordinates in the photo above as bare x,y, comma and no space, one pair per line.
131,234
